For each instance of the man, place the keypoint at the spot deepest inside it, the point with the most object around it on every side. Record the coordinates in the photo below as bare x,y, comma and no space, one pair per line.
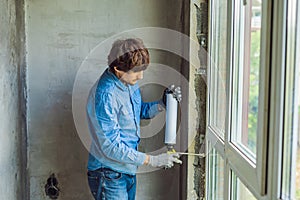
114,110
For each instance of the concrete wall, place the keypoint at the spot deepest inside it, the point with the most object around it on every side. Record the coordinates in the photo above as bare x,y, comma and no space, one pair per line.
197,101
11,90
60,34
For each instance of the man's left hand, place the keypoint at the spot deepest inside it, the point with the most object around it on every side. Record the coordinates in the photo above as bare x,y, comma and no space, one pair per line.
175,91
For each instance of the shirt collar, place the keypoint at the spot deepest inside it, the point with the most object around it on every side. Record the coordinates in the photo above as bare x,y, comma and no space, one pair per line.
117,81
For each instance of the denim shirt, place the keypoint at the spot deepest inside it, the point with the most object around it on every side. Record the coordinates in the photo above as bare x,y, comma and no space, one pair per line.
114,111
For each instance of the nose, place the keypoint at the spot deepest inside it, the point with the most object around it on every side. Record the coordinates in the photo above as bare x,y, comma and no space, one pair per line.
140,75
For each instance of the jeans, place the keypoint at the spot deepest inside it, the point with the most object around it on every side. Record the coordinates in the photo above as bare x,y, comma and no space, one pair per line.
106,184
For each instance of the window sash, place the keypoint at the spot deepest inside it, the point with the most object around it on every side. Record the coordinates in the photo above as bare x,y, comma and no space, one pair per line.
274,107
215,120
254,175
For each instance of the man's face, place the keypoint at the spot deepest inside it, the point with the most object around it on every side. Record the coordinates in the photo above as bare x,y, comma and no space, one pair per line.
131,77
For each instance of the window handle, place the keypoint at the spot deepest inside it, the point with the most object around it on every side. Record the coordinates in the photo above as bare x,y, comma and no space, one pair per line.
245,2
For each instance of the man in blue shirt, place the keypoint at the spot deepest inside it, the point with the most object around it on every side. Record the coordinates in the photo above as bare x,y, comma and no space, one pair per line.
114,110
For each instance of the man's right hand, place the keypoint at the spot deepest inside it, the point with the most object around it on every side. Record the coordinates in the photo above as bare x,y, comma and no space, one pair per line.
164,160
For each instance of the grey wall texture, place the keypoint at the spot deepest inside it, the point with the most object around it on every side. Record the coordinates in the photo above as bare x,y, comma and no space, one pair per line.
197,101
11,94
59,35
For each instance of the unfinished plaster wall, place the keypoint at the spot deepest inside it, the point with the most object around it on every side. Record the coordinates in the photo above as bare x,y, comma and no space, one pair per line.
11,100
197,101
60,34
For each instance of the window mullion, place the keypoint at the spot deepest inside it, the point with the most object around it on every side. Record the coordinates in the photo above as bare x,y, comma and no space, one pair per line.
264,89
278,44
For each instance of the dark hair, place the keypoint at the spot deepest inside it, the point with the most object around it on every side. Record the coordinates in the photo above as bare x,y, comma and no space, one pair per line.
128,54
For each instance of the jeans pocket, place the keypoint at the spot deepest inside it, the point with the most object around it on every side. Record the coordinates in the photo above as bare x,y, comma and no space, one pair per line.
93,181
112,175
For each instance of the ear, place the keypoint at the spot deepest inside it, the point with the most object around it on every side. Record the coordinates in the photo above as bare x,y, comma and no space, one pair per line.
116,69
118,73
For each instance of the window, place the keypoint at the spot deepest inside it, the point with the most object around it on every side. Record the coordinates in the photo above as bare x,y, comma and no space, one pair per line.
255,150
247,41
218,69
290,187
239,190
216,175
240,141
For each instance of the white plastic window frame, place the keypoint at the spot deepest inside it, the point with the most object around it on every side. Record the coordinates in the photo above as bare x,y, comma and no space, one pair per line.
288,144
253,175
282,50
214,79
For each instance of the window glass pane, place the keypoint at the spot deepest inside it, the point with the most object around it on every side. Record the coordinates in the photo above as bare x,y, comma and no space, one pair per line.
247,40
291,165
291,143
218,66
239,191
216,176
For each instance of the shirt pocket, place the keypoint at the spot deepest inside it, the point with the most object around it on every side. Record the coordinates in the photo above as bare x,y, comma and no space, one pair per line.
126,111
126,117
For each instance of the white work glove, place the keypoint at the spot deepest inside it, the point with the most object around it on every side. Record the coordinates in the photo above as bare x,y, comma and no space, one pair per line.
164,160
172,90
